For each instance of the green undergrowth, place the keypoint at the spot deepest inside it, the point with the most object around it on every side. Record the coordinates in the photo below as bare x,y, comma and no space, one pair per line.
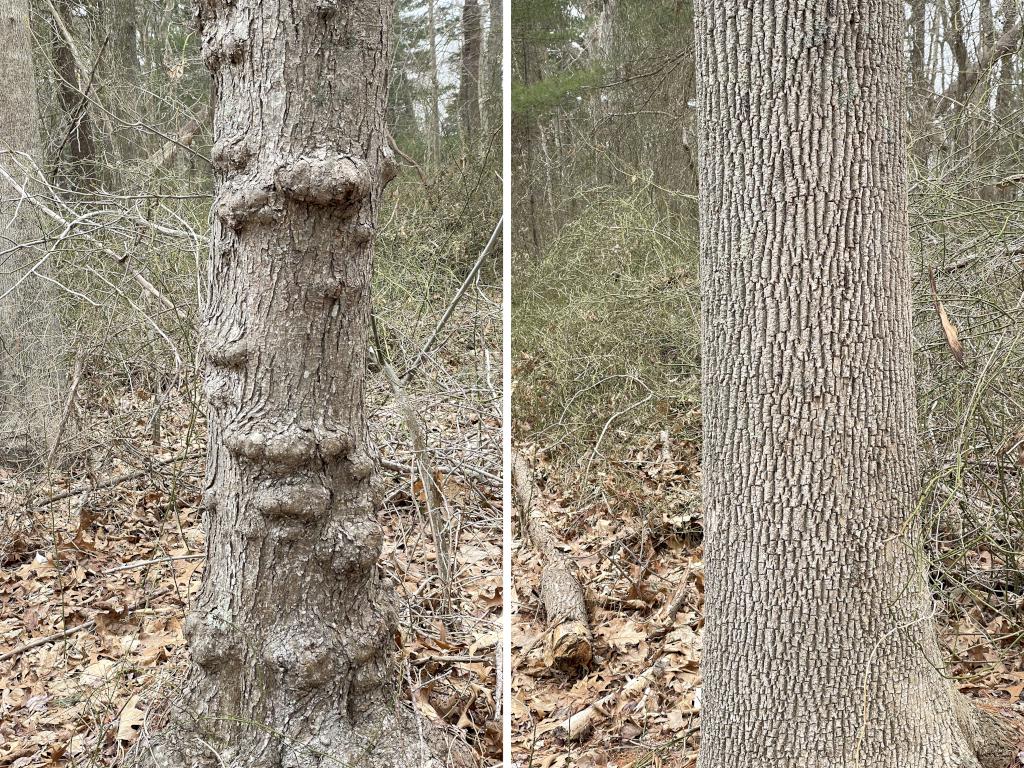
605,327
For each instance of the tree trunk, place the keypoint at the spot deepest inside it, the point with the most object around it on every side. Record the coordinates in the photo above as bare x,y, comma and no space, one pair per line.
30,380
77,166
493,111
122,23
1010,12
469,75
819,648
917,50
434,125
292,639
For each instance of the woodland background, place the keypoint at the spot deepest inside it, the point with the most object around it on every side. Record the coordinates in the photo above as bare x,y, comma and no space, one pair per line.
606,358
101,545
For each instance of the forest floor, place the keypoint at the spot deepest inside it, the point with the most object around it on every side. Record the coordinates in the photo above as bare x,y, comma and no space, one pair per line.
635,534
112,557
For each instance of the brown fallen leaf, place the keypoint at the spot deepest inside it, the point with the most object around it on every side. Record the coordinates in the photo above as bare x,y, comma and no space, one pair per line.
952,337
129,725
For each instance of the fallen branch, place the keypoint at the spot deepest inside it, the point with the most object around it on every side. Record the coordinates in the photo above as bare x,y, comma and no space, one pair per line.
163,156
471,472
116,480
45,640
143,563
568,639
578,725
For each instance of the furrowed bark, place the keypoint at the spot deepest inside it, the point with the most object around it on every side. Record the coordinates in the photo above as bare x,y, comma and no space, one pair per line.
820,648
568,644
292,639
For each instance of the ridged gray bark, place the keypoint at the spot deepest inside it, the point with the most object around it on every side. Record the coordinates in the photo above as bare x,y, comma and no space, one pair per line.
820,649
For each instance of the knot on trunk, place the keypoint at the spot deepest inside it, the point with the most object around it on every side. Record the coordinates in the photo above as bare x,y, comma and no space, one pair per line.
287,447
231,154
303,501
305,653
226,354
210,640
331,179
244,204
222,46
352,546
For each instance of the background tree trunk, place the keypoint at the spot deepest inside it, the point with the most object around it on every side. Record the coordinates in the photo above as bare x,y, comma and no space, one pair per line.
122,25
293,637
469,74
493,111
819,647
30,381
434,119
78,166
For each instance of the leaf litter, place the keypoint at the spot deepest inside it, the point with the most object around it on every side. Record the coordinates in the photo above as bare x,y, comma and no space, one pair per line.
636,537
100,581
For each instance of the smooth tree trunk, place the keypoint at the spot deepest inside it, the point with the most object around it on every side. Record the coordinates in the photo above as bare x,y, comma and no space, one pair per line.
30,379
292,639
469,74
820,649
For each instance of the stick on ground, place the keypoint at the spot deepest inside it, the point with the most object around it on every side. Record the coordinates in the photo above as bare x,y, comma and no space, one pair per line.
568,640
580,724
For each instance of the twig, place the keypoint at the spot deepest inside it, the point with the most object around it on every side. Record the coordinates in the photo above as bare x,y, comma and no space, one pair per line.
44,640
398,151
425,469
117,480
143,563
455,300
473,472
68,405
449,659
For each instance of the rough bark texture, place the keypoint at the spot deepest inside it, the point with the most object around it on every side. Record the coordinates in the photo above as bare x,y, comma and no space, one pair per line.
568,644
30,382
469,75
292,639
820,649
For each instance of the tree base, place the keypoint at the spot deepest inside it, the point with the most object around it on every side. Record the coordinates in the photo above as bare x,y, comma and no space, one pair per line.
993,738
392,737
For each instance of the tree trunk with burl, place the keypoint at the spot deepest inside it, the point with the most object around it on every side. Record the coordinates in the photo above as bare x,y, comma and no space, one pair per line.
292,639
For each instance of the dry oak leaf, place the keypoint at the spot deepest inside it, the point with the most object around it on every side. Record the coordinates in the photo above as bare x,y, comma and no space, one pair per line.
948,329
129,725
